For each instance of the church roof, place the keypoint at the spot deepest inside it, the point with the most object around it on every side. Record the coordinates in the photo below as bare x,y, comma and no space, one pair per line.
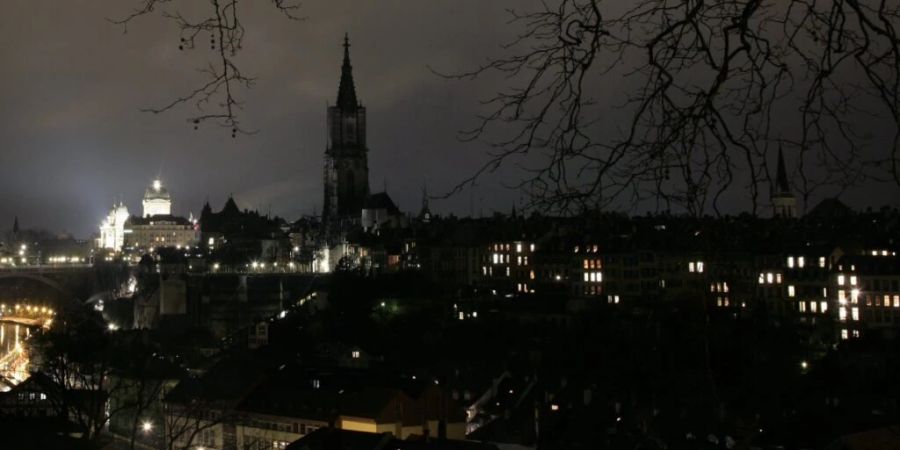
830,208
230,208
381,200
346,99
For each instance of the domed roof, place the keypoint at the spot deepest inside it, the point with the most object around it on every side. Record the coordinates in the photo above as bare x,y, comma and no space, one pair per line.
157,191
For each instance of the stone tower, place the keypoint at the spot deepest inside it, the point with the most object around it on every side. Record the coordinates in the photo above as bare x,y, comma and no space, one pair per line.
346,161
784,203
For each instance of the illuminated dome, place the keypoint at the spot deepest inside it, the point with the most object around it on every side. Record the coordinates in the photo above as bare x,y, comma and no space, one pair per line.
157,200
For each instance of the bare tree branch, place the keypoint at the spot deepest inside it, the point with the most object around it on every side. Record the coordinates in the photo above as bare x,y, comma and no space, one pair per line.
712,88
217,100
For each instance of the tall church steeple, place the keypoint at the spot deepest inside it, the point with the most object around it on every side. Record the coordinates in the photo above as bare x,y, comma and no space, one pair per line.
346,160
346,99
784,204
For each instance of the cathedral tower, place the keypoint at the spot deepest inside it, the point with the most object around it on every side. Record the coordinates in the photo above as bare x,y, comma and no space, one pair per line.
346,161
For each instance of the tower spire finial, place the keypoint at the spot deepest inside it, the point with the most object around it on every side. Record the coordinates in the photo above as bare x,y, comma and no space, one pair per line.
347,91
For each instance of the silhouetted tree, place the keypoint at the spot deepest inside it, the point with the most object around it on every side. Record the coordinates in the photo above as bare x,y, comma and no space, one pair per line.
219,21
709,90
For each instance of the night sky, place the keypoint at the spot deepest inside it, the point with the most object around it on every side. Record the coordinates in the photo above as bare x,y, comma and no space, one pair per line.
74,140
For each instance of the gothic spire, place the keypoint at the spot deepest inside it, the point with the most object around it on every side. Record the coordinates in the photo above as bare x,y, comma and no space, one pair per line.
347,91
16,225
782,187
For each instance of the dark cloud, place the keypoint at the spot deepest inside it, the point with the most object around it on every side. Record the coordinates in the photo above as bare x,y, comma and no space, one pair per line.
74,140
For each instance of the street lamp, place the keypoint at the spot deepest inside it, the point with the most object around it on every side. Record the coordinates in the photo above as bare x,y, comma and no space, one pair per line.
147,426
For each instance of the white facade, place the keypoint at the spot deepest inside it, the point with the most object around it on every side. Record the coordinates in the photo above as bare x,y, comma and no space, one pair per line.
157,200
112,229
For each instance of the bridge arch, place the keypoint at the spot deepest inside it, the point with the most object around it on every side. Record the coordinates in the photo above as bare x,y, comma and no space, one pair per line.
36,277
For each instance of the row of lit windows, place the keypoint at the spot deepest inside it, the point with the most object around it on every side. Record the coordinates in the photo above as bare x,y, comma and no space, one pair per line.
886,303
696,267
842,314
714,287
770,278
593,277
845,334
592,264
588,248
523,287
842,279
800,262
519,247
497,258
813,307
724,302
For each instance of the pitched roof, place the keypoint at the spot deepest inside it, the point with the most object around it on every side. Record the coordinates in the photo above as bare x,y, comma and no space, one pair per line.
381,200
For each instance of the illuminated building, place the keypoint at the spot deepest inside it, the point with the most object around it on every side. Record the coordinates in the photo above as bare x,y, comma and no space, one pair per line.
157,201
144,233
112,229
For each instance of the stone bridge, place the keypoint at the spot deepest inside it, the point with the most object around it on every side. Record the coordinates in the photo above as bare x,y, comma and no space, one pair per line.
63,283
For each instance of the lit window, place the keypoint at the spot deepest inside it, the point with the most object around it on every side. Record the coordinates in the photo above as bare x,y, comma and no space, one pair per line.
531,275
842,296
802,306
823,307
852,280
518,248
855,313
531,247
801,262
770,278
587,276
844,335
790,262
355,354
840,280
842,314
791,291
778,278
762,278
822,262
691,267
700,267
856,333
812,306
